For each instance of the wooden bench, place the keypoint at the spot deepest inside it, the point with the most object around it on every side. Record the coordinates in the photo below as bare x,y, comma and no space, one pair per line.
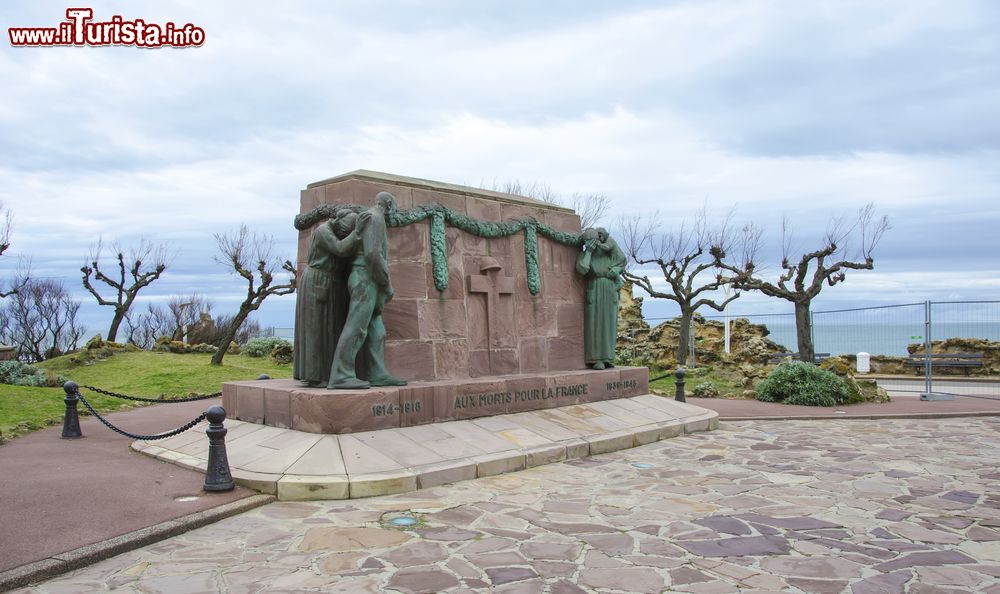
779,357
965,361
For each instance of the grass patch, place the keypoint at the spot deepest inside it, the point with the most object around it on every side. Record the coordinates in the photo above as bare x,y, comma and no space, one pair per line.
728,382
24,409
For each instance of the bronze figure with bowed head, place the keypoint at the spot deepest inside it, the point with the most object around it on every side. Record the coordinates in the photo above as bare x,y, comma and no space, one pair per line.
370,289
601,262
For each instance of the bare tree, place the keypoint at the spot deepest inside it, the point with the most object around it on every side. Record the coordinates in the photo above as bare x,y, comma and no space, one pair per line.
685,257
250,328
41,320
249,256
6,224
846,246
142,329
136,268
591,207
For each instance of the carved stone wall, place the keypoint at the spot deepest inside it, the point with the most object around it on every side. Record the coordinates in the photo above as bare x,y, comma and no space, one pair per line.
452,334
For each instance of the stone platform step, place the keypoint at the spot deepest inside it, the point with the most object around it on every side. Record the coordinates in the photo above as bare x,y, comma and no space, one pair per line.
296,465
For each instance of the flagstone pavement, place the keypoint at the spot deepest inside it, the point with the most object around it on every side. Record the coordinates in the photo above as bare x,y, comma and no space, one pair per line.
859,506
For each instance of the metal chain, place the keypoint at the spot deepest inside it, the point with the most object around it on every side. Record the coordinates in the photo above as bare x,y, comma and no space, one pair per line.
165,435
161,399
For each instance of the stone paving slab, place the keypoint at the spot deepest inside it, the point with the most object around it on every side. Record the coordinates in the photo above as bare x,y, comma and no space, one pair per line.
296,465
859,507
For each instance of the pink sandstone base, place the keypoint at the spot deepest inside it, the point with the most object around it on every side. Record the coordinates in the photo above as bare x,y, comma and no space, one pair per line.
286,403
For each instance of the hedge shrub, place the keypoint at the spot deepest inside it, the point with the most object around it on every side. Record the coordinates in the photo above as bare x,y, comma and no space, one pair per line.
264,345
797,382
17,373
706,390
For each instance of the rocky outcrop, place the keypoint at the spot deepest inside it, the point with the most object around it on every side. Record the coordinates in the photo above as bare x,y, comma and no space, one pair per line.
638,343
634,345
858,389
748,343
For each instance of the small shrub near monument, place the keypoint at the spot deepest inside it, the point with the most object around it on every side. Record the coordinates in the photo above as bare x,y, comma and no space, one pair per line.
264,346
706,390
796,382
17,373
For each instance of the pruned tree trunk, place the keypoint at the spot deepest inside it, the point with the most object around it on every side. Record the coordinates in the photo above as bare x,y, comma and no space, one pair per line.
241,250
139,269
686,258
803,332
684,340
229,335
115,323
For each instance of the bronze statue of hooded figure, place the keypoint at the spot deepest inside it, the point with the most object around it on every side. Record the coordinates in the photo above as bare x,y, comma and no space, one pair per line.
601,262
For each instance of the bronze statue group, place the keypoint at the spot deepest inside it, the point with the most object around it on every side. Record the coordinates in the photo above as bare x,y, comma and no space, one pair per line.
342,293
345,286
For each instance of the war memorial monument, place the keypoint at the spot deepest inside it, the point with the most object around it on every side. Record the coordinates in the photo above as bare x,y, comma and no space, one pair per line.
442,333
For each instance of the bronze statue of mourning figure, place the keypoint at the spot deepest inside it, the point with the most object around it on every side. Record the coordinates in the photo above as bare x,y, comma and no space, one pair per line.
341,296
601,262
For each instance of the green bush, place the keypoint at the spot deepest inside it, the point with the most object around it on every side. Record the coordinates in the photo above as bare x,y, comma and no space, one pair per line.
204,347
282,353
263,346
796,382
706,390
17,373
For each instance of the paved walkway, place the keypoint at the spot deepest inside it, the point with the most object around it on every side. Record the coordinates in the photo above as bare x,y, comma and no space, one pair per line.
296,465
758,506
57,495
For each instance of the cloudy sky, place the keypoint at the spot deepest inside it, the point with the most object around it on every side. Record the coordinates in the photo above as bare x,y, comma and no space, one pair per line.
809,109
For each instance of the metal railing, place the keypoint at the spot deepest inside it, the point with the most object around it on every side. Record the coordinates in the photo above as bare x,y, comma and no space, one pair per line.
898,338
217,474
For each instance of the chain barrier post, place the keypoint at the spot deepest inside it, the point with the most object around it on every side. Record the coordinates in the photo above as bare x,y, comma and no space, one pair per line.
679,383
217,474
71,420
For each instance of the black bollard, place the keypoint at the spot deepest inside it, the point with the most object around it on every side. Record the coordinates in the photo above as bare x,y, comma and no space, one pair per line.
71,420
217,475
679,395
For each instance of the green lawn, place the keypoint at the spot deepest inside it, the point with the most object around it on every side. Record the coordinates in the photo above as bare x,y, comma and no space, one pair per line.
149,375
726,383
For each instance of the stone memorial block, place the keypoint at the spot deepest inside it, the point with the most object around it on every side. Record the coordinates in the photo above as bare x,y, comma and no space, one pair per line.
318,410
487,312
487,317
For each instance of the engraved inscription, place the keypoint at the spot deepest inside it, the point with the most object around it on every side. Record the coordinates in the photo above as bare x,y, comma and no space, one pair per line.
622,385
385,410
497,398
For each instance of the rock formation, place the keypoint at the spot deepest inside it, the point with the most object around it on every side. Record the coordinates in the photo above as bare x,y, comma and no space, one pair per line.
748,343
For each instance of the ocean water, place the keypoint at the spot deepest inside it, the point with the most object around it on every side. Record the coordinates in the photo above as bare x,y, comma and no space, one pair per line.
878,339
885,330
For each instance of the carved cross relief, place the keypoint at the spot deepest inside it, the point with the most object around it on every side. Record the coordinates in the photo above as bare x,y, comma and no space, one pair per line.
493,284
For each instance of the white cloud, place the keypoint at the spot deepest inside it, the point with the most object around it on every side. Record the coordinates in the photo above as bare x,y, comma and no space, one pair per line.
810,109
